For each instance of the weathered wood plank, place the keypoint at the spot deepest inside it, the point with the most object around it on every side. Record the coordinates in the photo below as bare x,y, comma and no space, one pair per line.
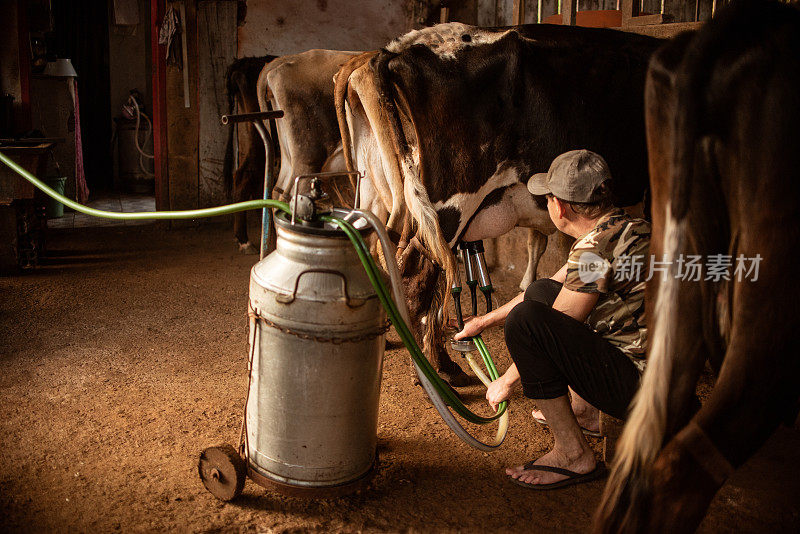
182,123
664,31
216,32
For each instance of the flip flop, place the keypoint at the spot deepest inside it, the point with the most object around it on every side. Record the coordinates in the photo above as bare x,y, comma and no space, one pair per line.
574,478
586,431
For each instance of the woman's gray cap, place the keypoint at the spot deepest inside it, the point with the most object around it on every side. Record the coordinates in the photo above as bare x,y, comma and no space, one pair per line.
574,176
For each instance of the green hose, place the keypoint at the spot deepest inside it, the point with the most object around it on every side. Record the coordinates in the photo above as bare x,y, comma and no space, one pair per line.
408,338
367,261
148,215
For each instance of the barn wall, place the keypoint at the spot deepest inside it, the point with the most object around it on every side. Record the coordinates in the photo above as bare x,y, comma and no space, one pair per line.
216,46
279,27
500,12
52,112
10,82
183,122
129,65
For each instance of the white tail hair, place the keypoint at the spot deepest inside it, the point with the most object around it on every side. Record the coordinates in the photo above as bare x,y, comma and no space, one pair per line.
644,431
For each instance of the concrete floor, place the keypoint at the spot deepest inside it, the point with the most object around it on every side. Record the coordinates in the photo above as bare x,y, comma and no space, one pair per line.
124,202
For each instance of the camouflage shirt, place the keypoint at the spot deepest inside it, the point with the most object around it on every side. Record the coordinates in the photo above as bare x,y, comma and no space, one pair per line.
611,260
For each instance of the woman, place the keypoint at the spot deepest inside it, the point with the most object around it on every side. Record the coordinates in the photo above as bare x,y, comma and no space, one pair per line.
582,329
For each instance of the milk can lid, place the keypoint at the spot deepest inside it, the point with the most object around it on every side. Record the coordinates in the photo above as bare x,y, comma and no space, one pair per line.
327,229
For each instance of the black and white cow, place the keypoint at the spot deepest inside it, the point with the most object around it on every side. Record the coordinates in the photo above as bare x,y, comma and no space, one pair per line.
452,120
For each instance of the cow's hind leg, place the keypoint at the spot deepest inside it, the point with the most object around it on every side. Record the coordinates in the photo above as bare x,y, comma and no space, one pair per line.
241,192
537,243
678,348
420,277
757,389
247,181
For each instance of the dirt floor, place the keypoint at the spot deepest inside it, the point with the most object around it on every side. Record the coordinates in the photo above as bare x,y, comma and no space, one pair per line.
125,355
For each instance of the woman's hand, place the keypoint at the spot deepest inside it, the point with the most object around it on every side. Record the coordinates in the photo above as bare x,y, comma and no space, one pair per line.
472,327
498,391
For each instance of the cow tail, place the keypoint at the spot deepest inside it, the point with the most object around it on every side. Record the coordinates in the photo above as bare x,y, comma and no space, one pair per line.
341,83
627,493
429,232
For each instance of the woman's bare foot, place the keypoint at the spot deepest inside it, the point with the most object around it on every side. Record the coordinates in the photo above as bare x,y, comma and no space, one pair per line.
580,461
587,415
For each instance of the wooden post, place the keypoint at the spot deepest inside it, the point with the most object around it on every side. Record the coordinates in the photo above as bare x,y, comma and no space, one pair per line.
23,118
216,49
183,122
519,13
159,68
631,15
569,10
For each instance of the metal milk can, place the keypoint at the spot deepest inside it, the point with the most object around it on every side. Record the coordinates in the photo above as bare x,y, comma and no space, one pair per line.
317,346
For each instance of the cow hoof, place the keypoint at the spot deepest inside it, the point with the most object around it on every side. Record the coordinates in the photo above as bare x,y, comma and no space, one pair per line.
457,377
247,248
391,344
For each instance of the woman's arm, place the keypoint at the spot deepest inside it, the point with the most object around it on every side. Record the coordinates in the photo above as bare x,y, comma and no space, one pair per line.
500,389
576,304
561,275
476,325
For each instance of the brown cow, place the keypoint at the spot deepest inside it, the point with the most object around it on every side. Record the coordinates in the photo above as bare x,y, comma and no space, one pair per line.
302,86
247,181
722,113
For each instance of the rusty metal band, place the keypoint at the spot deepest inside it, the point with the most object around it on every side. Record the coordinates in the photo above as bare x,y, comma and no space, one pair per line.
336,340
311,492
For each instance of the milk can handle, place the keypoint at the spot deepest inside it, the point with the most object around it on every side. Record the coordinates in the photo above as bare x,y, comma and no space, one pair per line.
351,303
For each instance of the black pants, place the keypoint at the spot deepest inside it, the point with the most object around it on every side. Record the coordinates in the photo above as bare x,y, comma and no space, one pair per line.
553,351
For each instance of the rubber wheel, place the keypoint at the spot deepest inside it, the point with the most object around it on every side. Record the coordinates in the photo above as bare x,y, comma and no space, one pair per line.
222,471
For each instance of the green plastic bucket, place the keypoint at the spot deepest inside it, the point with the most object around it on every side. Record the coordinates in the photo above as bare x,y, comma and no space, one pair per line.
54,208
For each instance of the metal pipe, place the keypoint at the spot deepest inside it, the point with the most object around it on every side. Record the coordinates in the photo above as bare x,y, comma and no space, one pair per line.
484,280
269,182
256,118
455,291
251,117
469,271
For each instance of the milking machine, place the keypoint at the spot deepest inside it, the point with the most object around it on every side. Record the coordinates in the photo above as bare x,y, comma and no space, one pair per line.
319,308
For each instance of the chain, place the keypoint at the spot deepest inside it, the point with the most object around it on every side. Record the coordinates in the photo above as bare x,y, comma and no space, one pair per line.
336,340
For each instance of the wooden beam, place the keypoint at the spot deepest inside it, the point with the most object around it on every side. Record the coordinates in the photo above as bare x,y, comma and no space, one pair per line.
24,119
628,8
663,31
644,20
182,123
631,16
569,10
159,70
216,49
518,13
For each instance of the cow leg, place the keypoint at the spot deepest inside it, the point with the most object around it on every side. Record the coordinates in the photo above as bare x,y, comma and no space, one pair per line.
242,186
678,347
490,252
537,243
420,277
756,390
